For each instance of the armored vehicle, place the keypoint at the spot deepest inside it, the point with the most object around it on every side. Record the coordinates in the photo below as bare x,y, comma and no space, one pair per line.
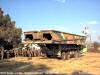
56,43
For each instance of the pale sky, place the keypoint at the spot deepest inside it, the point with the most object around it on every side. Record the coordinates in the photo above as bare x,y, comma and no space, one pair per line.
64,15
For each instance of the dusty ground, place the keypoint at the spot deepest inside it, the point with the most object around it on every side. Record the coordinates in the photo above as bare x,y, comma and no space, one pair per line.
89,64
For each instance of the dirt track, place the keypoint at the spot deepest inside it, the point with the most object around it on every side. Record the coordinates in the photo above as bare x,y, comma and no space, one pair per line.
89,64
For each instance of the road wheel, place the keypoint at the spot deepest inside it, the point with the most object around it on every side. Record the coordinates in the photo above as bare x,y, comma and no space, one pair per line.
63,55
68,55
76,54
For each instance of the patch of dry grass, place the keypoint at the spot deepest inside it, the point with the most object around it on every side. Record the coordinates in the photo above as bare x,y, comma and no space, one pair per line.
89,63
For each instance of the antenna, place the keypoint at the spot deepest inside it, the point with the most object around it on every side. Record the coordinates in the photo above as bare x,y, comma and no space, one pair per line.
98,37
87,33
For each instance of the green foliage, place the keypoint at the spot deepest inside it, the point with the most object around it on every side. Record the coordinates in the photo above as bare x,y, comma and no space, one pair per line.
8,31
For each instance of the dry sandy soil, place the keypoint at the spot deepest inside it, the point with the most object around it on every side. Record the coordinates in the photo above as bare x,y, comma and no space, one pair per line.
89,64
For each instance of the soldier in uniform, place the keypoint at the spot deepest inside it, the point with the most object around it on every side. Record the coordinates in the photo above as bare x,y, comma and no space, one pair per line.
2,52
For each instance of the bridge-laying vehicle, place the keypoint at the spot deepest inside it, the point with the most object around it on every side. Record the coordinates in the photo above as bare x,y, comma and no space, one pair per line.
56,43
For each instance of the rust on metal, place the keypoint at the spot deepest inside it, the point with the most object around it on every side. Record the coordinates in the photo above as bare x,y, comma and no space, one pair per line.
53,36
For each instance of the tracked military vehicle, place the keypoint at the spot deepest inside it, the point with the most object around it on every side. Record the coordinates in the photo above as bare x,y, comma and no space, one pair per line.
56,43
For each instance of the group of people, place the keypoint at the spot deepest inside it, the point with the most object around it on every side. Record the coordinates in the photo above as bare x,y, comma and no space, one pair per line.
28,50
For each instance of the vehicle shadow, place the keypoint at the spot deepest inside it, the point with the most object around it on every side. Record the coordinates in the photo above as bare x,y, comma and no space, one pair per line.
80,72
12,66
40,69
